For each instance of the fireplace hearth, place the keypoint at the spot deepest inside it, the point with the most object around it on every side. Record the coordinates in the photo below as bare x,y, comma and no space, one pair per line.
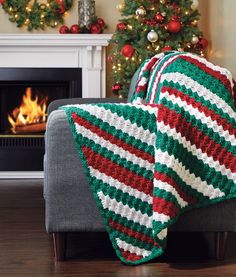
25,94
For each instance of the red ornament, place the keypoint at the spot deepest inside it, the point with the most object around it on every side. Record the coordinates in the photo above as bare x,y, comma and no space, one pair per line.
116,87
61,9
2,2
101,22
95,29
159,18
121,26
174,26
127,50
74,29
166,48
203,43
63,29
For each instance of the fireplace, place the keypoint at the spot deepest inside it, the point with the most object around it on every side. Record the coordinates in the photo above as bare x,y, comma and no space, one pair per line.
24,96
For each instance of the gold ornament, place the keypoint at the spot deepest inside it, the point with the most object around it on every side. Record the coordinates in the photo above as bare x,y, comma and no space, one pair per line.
152,36
141,11
162,1
195,39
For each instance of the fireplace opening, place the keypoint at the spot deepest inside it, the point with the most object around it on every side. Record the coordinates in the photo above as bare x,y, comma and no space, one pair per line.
24,97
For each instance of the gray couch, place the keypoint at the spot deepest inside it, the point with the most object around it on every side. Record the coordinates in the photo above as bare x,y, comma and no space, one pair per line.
69,203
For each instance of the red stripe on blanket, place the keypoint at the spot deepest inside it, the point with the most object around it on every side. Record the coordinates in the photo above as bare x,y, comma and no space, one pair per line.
165,178
131,233
120,143
163,206
208,113
149,67
197,137
130,256
216,74
117,172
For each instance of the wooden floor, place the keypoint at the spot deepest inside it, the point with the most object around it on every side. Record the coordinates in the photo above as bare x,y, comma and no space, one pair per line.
26,249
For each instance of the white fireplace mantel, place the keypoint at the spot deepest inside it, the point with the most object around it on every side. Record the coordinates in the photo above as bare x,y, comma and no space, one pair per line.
87,51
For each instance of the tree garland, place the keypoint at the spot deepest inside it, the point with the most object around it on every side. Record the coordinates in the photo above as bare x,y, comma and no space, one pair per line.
36,15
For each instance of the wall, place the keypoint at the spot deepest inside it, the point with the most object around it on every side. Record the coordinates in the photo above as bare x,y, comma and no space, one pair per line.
218,22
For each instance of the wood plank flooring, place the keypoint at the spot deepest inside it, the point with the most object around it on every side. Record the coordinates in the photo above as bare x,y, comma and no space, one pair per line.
26,249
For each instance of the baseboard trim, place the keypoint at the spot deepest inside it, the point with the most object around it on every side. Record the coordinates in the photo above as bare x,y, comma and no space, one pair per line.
21,175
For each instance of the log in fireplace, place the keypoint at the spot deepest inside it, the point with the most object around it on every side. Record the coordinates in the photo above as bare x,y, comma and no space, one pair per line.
24,96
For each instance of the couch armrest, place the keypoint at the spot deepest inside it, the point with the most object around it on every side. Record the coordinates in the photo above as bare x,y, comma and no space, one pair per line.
69,203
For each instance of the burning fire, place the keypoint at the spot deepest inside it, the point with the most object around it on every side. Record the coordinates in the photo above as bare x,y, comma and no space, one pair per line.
31,116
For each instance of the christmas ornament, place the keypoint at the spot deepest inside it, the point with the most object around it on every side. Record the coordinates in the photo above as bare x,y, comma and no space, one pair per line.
127,50
116,87
203,43
36,15
141,11
174,26
61,8
64,30
152,36
162,1
195,39
121,26
194,5
74,29
95,29
159,18
166,48
101,22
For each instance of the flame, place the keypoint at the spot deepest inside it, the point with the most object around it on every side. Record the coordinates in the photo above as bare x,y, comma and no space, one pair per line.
31,111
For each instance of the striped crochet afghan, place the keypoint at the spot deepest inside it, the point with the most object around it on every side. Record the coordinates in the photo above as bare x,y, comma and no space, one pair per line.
173,148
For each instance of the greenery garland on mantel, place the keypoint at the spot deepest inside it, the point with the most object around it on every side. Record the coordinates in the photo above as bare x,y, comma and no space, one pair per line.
36,14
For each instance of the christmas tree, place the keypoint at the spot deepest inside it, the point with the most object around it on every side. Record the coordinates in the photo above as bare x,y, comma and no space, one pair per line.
150,27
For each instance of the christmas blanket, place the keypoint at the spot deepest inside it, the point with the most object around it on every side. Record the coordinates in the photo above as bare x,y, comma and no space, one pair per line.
173,148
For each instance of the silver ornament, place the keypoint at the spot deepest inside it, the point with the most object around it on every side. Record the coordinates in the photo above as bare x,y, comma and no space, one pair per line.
152,36
195,39
194,5
141,11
